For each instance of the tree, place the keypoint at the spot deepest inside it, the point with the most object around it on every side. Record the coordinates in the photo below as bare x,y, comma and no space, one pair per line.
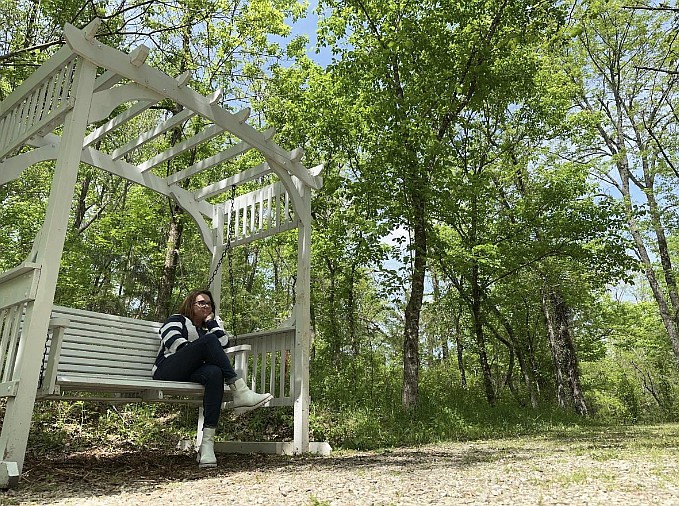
631,111
415,68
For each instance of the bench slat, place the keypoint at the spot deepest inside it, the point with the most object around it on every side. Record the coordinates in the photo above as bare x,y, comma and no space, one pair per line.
80,348
105,353
104,367
121,384
106,333
112,320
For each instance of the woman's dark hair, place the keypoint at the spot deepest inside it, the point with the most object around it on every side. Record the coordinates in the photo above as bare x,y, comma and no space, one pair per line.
187,306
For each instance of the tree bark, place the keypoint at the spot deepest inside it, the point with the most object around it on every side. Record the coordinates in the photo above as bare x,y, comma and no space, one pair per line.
477,317
525,373
411,357
169,276
460,353
566,369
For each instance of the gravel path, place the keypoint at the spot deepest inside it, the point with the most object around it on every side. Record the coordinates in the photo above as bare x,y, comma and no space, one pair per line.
606,468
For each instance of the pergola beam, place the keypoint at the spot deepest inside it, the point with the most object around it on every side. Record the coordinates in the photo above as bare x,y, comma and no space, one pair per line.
240,178
164,84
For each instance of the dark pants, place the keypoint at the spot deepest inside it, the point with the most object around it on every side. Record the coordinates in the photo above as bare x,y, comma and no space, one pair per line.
201,361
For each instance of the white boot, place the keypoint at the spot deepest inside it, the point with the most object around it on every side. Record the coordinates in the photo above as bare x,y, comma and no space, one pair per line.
245,399
206,452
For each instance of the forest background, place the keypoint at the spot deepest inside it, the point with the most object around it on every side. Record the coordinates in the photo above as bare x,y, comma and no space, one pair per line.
493,247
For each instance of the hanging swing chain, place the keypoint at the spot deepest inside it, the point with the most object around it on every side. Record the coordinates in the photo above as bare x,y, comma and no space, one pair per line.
43,364
226,253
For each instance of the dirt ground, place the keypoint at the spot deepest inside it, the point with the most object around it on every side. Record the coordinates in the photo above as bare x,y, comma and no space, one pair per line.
608,467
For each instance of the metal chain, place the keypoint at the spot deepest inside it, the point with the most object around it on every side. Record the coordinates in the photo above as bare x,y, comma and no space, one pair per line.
219,264
233,296
43,363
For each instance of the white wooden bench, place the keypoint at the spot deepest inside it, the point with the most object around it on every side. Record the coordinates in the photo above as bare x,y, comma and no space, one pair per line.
96,356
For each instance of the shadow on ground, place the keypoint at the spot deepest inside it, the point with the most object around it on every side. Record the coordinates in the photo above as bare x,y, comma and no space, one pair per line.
89,474
95,474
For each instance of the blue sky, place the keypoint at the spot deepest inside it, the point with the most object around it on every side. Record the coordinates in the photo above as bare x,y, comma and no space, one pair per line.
308,26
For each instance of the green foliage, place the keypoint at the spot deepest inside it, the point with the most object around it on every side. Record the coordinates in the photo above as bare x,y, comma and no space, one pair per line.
81,425
23,203
446,412
636,380
467,107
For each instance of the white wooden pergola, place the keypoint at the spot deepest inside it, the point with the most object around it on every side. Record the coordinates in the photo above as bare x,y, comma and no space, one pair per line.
85,92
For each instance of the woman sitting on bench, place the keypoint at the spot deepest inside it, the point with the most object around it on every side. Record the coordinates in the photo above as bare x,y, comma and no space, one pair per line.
192,345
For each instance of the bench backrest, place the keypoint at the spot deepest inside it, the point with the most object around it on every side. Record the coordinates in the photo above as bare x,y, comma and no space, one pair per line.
104,344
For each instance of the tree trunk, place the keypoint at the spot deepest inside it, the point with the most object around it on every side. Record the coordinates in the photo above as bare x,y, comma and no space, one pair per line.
252,266
528,381
169,277
669,310
477,316
414,306
509,376
460,353
351,313
333,323
176,226
438,338
567,373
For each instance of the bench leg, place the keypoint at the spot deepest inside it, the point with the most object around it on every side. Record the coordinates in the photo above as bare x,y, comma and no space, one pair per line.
199,429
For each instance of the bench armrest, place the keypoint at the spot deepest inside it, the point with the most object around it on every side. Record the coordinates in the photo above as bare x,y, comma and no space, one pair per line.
49,374
240,347
239,356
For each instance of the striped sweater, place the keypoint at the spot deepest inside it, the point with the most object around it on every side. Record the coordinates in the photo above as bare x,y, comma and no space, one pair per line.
178,330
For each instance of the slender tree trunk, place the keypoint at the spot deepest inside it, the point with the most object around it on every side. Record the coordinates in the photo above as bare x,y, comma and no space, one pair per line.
414,306
459,345
667,314
252,274
351,313
566,368
169,276
509,376
31,24
616,137
477,316
335,339
176,225
439,336
524,368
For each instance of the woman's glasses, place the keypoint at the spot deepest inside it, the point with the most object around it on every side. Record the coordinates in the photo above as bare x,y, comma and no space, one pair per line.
201,303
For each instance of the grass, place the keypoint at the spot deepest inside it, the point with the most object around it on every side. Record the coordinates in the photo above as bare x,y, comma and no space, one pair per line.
78,426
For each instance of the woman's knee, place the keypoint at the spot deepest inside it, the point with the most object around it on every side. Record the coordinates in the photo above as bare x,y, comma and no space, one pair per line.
210,375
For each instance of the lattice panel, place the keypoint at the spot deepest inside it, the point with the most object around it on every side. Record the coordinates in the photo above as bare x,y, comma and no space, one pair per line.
39,109
260,213
10,329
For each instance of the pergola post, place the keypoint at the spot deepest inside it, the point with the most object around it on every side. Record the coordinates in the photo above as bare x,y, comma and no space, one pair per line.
302,323
215,266
17,420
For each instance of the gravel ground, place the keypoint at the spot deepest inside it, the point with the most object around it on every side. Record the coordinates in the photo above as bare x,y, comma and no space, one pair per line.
625,467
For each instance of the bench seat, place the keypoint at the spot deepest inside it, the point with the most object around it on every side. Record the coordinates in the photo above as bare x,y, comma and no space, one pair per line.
131,390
